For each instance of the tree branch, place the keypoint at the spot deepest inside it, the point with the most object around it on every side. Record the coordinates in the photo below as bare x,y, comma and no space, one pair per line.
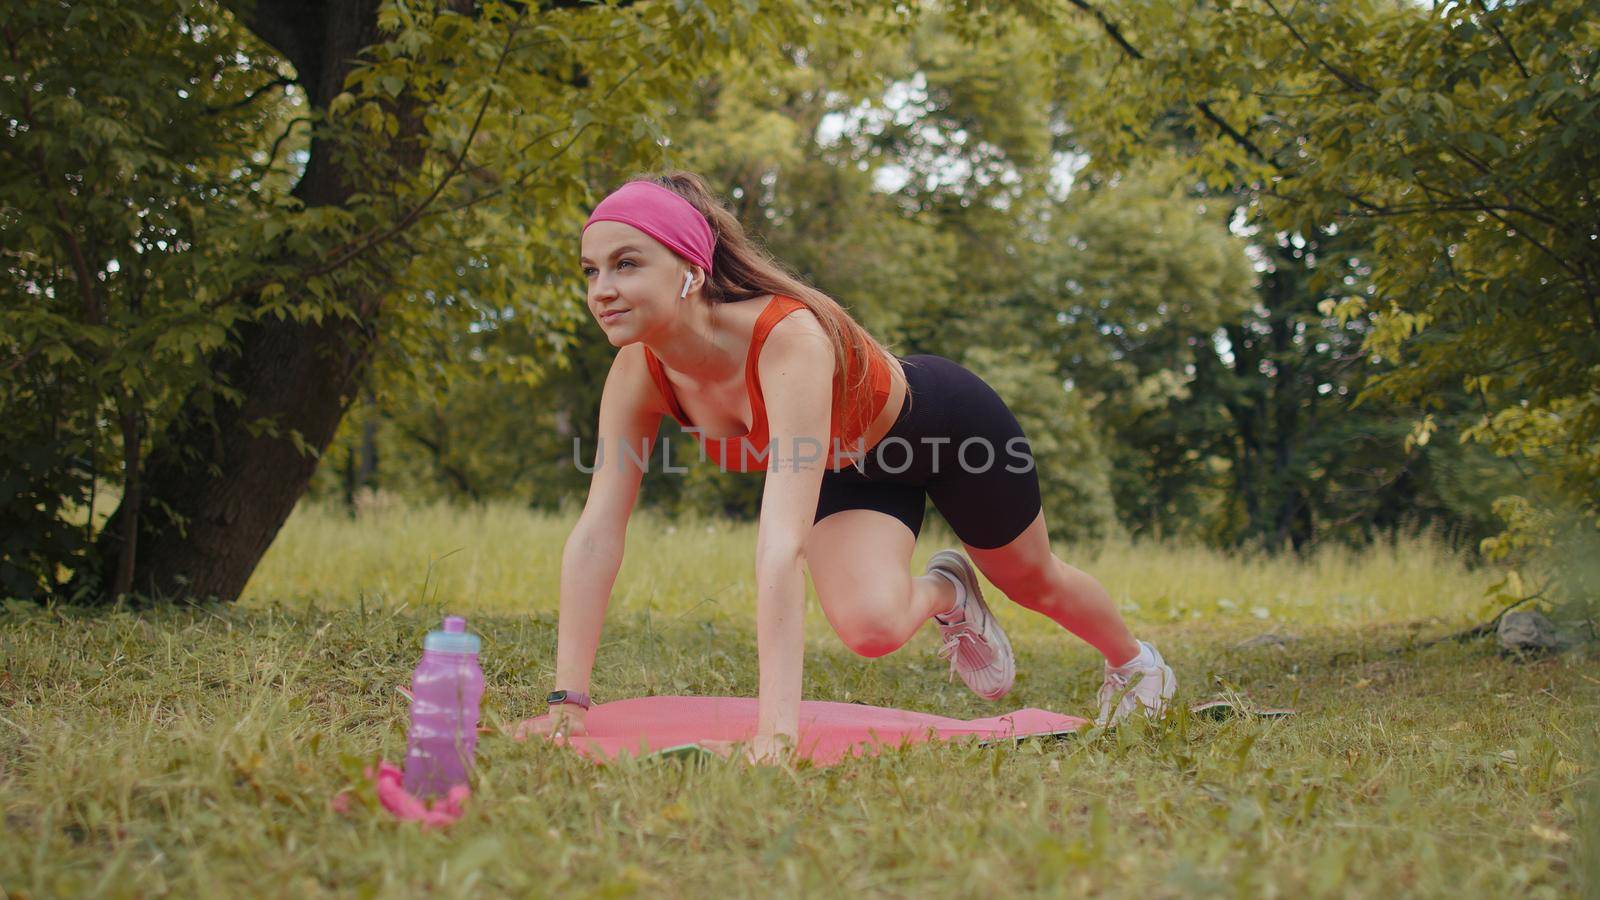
1132,52
287,26
416,211
343,255
1511,50
1110,28
1348,80
277,144
280,81
1486,628
18,360
93,309
539,139
1538,211
436,447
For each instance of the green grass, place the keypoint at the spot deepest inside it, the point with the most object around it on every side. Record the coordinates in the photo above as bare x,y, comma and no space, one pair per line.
195,751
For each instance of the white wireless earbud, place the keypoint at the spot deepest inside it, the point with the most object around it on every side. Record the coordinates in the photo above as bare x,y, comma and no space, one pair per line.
688,281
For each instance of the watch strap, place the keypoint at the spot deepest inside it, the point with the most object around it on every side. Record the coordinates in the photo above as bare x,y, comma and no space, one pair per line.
576,698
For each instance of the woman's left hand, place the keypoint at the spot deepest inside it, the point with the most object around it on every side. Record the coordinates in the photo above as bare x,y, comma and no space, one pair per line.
763,749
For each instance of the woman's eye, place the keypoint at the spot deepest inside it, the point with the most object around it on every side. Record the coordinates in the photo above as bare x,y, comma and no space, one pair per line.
626,262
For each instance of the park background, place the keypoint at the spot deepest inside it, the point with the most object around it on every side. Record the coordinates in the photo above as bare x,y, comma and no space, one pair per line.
1297,303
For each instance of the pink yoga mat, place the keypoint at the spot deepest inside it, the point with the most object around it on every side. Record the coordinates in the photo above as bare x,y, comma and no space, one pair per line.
829,732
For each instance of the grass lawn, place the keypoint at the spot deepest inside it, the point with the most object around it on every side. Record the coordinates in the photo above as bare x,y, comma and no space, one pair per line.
195,751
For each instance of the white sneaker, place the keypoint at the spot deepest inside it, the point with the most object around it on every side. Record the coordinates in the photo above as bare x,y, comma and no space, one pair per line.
973,642
1146,682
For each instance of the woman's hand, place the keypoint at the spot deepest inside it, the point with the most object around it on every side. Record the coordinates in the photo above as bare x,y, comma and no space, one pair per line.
763,749
563,721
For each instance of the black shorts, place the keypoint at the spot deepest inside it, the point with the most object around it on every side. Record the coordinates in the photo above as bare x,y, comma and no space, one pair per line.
955,441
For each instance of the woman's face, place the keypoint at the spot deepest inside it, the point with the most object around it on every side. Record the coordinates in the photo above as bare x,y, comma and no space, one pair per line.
634,281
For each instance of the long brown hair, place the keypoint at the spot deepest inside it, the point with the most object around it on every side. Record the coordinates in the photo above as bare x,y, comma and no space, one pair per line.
743,270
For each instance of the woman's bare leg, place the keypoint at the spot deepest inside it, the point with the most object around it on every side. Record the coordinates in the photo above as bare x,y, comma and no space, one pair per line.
1031,576
860,565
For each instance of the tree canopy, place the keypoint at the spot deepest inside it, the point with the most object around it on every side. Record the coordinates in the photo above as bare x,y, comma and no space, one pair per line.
1256,273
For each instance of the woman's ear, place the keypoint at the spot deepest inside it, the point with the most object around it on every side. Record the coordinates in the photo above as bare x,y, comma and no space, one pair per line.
695,277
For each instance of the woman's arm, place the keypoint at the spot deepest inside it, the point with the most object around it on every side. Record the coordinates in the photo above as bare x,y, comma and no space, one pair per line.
593,553
795,368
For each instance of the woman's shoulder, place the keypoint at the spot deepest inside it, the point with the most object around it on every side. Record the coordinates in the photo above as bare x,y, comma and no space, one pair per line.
633,370
771,317
796,338
793,321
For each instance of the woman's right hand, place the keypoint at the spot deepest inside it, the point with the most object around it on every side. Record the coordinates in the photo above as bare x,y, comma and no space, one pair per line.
564,720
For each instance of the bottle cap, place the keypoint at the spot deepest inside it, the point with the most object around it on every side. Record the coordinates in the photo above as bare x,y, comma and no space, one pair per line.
453,639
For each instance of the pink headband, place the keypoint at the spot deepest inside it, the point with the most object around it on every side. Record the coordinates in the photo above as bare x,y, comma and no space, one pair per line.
663,215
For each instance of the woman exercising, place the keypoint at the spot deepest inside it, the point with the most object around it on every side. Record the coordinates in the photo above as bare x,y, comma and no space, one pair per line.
772,375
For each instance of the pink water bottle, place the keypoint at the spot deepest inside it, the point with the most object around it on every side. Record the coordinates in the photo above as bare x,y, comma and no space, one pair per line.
446,690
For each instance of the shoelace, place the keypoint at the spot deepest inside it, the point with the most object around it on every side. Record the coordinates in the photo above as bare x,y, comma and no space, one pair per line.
1118,687
974,656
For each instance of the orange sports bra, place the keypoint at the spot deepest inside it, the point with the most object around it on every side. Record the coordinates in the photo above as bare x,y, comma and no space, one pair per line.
748,452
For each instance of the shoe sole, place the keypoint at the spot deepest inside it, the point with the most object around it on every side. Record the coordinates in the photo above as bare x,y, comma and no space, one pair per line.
962,569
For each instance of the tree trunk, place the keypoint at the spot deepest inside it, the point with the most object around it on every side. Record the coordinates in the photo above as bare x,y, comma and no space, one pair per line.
350,482
1243,410
131,420
1285,412
367,474
232,488
235,489
361,462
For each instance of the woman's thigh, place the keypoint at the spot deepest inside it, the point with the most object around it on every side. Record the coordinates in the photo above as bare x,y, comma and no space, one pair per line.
860,565
987,487
1024,568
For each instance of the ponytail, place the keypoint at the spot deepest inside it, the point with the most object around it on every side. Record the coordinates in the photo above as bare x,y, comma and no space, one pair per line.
741,270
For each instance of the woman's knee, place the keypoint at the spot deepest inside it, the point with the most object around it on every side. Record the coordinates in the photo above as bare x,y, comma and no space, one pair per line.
873,640
869,622
1039,586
